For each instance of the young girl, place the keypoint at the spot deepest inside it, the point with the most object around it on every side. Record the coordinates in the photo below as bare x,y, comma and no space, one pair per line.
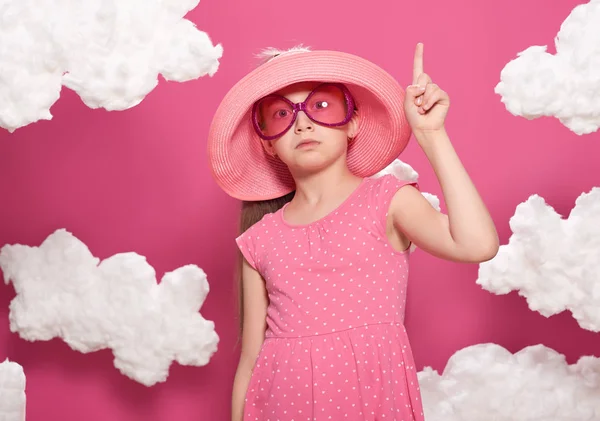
326,247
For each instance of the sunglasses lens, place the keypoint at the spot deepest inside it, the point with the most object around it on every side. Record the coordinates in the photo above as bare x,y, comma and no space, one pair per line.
274,115
327,105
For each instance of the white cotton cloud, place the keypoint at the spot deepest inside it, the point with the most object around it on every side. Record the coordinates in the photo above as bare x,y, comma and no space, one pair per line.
403,171
553,262
565,85
108,51
487,382
12,392
63,291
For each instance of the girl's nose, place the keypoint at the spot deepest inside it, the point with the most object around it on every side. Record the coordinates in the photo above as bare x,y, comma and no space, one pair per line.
303,123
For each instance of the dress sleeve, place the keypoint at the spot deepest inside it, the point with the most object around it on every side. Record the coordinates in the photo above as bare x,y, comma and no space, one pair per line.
388,186
247,244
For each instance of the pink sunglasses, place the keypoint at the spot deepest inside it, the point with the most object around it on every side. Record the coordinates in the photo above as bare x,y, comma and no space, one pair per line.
329,105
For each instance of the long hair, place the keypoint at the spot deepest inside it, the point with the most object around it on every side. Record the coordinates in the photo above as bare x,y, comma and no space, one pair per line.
251,213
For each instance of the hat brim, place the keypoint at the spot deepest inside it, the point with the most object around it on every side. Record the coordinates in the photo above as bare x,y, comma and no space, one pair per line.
237,159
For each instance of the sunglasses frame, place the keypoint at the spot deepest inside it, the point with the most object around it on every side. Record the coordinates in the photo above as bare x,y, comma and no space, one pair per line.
301,106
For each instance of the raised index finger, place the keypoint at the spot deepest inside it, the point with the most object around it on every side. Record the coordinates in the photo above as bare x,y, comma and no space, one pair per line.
418,63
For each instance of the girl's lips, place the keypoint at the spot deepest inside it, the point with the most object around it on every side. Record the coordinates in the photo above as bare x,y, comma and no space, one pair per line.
307,143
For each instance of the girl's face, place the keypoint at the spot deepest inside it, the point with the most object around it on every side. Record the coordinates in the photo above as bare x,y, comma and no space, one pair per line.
308,147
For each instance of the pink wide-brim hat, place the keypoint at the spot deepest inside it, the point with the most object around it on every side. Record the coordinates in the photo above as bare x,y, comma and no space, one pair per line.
237,158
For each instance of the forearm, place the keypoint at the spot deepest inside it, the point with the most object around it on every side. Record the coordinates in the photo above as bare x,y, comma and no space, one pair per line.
240,387
471,225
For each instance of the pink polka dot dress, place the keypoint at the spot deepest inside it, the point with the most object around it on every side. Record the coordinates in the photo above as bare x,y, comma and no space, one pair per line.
335,345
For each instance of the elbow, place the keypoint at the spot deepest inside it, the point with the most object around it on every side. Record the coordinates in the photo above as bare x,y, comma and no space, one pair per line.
481,251
488,253
247,361
486,250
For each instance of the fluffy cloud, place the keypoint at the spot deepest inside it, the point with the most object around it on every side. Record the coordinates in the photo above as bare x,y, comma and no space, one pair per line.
64,291
108,51
553,262
12,392
487,382
564,85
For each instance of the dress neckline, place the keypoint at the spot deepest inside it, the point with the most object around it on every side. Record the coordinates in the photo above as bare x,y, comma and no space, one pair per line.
328,215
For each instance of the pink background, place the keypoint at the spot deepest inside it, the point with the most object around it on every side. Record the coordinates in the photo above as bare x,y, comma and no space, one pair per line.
138,181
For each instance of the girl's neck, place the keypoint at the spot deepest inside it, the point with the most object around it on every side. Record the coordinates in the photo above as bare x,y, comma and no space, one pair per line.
327,187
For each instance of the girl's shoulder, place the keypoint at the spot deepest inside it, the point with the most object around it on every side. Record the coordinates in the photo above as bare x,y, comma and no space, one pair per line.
255,239
264,224
388,183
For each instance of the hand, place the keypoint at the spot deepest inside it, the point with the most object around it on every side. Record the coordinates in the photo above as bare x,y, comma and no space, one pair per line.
425,104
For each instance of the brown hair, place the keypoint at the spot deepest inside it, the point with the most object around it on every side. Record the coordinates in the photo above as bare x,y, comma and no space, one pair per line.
251,213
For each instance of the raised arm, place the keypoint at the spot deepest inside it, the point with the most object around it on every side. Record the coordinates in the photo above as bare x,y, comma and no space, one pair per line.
467,233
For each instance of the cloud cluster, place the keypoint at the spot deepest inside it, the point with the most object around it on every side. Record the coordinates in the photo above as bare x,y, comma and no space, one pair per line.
110,52
487,382
553,262
564,85
63,291
12,392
